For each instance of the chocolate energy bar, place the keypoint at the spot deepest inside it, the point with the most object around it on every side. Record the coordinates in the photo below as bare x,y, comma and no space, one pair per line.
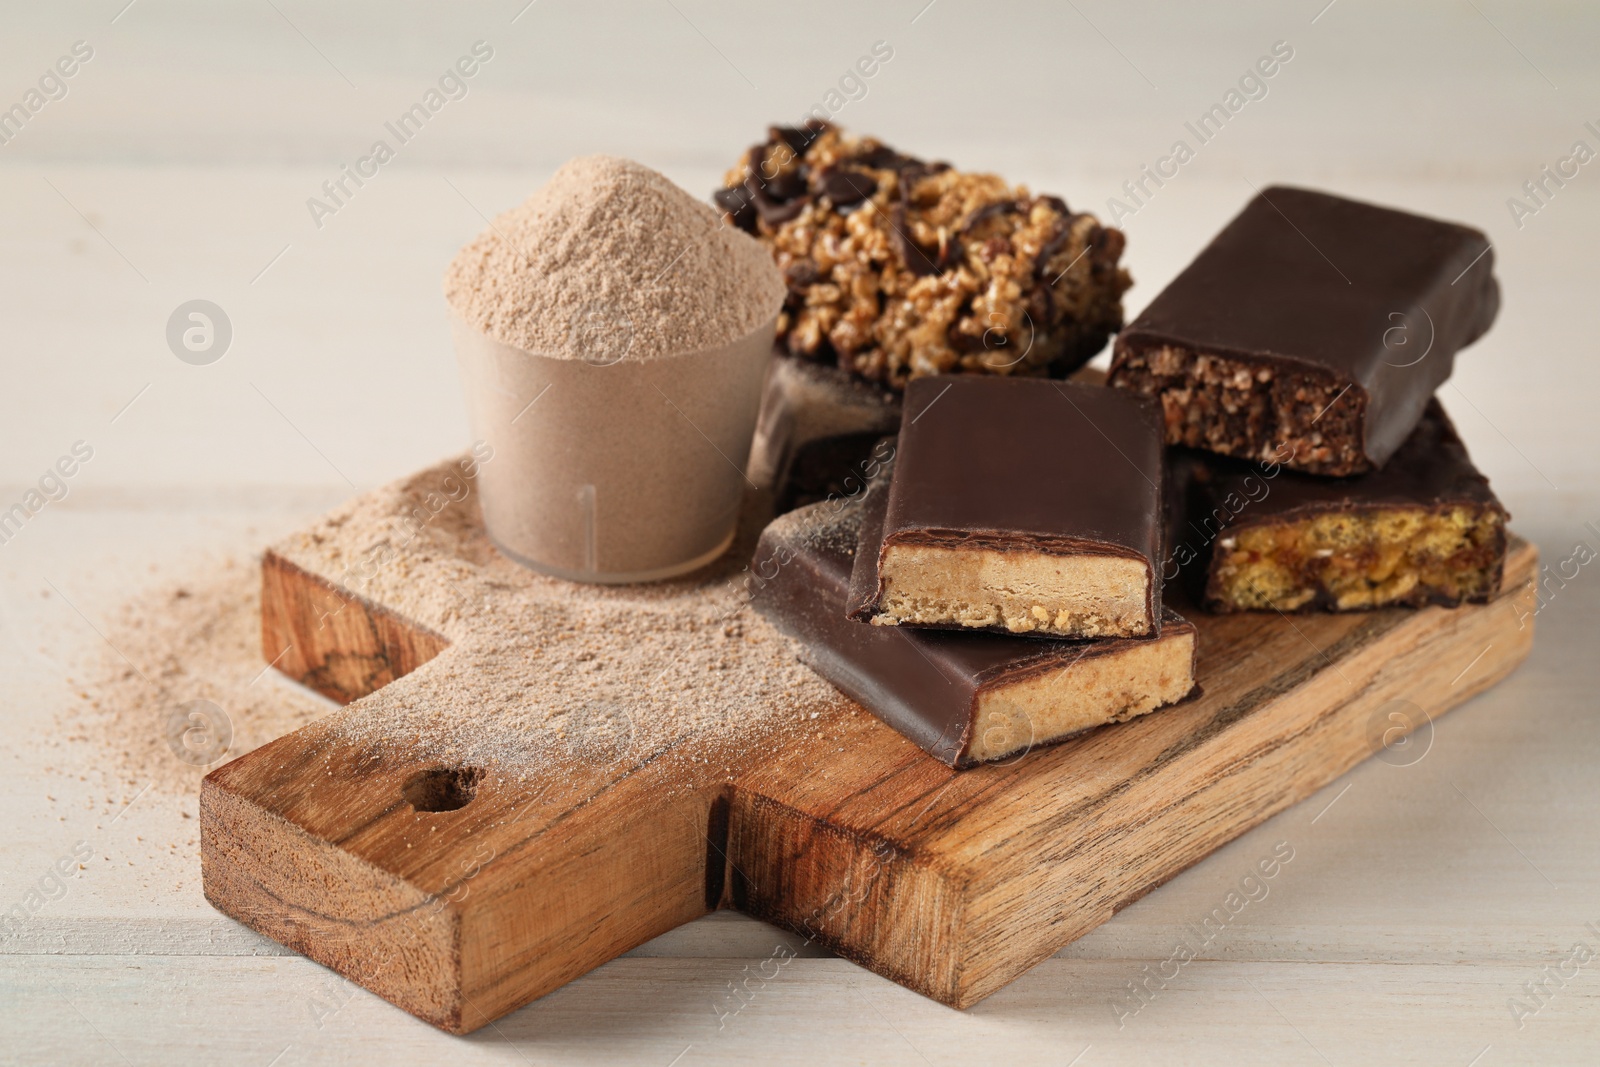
1426,529
1314,323
964,697
1020,506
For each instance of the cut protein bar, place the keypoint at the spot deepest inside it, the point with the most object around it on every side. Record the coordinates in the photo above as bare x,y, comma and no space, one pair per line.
1426,529
1016,505
966,698
1312,323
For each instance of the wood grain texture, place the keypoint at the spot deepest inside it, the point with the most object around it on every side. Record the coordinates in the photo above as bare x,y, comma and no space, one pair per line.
950,883
332,640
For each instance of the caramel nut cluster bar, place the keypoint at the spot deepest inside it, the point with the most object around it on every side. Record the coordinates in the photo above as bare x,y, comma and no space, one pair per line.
965,698
1312,323
1017,505
1426,529
899,268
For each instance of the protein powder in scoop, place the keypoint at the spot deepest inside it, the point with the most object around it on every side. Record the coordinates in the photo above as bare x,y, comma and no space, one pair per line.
613,336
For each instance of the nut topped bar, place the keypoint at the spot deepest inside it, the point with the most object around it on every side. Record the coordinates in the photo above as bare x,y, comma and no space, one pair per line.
1017,505
899,268
1314,323
1426,529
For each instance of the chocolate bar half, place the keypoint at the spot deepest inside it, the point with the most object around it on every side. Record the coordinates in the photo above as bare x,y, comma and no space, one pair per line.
1426,529
966,698
1017,505
1314,324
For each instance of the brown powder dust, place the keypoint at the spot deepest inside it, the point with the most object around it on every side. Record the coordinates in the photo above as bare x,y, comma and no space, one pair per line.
198,639
611,261
543,677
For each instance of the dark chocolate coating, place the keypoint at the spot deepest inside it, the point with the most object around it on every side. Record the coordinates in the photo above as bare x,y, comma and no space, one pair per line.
924,683
1309,279
1006,463
1431,471
816,431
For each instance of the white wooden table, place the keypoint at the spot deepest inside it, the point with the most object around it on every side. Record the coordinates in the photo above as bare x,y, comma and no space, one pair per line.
1421,900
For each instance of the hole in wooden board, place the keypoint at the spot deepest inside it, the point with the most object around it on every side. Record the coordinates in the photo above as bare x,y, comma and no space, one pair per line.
717,852
441,788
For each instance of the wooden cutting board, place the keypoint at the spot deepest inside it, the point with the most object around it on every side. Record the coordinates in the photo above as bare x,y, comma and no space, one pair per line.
460,895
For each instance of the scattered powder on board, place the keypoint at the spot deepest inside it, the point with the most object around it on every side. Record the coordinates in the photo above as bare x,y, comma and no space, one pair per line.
547,674
611,253
545,677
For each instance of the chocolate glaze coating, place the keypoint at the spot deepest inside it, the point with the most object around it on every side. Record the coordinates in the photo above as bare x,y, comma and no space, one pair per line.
1005,463
924,683
1302,278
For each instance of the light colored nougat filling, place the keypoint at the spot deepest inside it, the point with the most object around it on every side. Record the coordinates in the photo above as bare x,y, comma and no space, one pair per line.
1115,687
1021,590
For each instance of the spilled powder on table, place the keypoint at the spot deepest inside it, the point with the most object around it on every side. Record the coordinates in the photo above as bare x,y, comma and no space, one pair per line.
198,638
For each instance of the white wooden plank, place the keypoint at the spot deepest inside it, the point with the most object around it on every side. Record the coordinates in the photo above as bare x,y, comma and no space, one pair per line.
1418,902
183,1010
